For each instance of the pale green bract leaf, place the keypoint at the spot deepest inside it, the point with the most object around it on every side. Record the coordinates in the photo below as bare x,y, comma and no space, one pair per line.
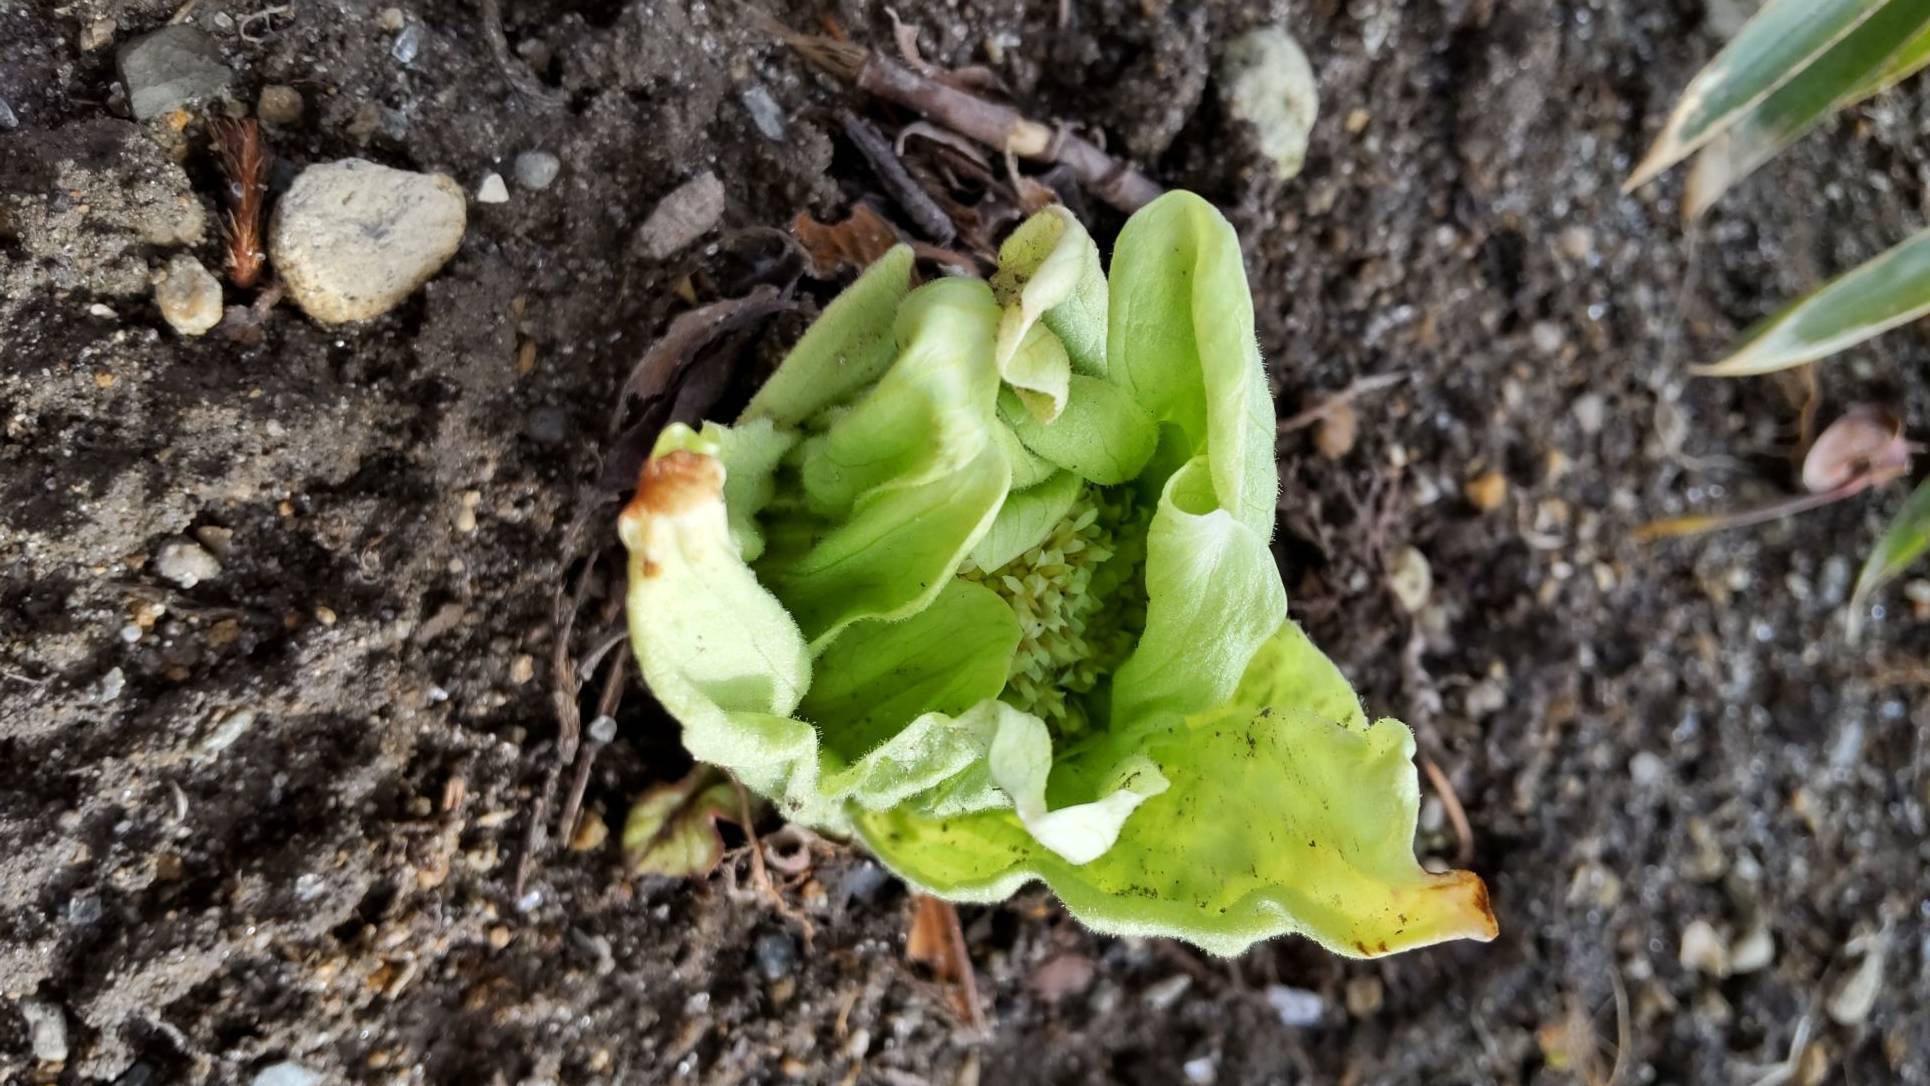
1890,290
1025,519
844,351
1101,436
1180,342
1903,542
1845,72
1274,820
1049,272
1213,596
1037,370
895,552
931,413
1009,627
877,677
749,454
1020,762
1780,41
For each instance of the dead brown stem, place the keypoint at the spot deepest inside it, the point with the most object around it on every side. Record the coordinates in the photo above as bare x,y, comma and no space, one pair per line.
244,159
994,124
1359,387
936,940
1451,803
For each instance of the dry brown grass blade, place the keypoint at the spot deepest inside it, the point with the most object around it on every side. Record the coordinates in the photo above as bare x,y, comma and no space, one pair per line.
937,941
245,159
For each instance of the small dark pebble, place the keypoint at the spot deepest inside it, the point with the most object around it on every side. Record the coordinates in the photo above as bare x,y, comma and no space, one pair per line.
862,883
776,954
548,425
138,1075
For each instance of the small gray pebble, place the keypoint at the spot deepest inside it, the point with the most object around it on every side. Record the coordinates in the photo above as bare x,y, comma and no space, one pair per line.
171,68
548,425
110,685
1296,1006
48,1025
537,170
776,954
186,563
7,118
406,44
862,882
83,909
279,104
765,113
286,1073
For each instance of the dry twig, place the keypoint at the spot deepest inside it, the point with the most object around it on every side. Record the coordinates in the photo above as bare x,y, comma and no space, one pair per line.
937,941
905,189
514,71
994,124
244,160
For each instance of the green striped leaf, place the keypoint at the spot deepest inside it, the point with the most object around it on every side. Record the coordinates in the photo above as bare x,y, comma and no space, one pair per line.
1903,543
1844,74
1891,290
1903,64
1783,39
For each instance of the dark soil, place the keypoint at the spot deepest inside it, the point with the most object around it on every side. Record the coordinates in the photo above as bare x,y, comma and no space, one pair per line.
225,842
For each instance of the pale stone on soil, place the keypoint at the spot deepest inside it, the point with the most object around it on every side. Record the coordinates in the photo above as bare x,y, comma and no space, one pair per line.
1266,81
682,217
188,295
353,238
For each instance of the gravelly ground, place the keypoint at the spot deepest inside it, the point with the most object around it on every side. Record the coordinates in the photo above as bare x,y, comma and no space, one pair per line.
237,852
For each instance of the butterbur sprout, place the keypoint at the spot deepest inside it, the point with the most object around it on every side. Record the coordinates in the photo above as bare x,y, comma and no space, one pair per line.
981,577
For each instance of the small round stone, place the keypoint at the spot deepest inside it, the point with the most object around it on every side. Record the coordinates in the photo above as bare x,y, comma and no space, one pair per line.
548,425
537,170
353,238
188,295
776,954
186,563
279,104
492,190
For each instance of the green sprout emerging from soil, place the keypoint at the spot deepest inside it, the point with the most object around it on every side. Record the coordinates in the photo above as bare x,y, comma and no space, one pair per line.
981,576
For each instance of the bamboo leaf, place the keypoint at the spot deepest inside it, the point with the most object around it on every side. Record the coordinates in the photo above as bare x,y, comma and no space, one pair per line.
1844,74
1773,47
1907,537
1890,290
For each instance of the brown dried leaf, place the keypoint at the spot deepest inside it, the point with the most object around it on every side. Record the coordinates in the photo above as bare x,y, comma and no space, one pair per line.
855,243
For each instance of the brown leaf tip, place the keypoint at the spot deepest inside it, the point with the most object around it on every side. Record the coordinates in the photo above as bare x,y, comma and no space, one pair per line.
675,483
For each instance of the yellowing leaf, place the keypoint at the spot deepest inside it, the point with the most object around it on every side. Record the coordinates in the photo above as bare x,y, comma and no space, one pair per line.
672,828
